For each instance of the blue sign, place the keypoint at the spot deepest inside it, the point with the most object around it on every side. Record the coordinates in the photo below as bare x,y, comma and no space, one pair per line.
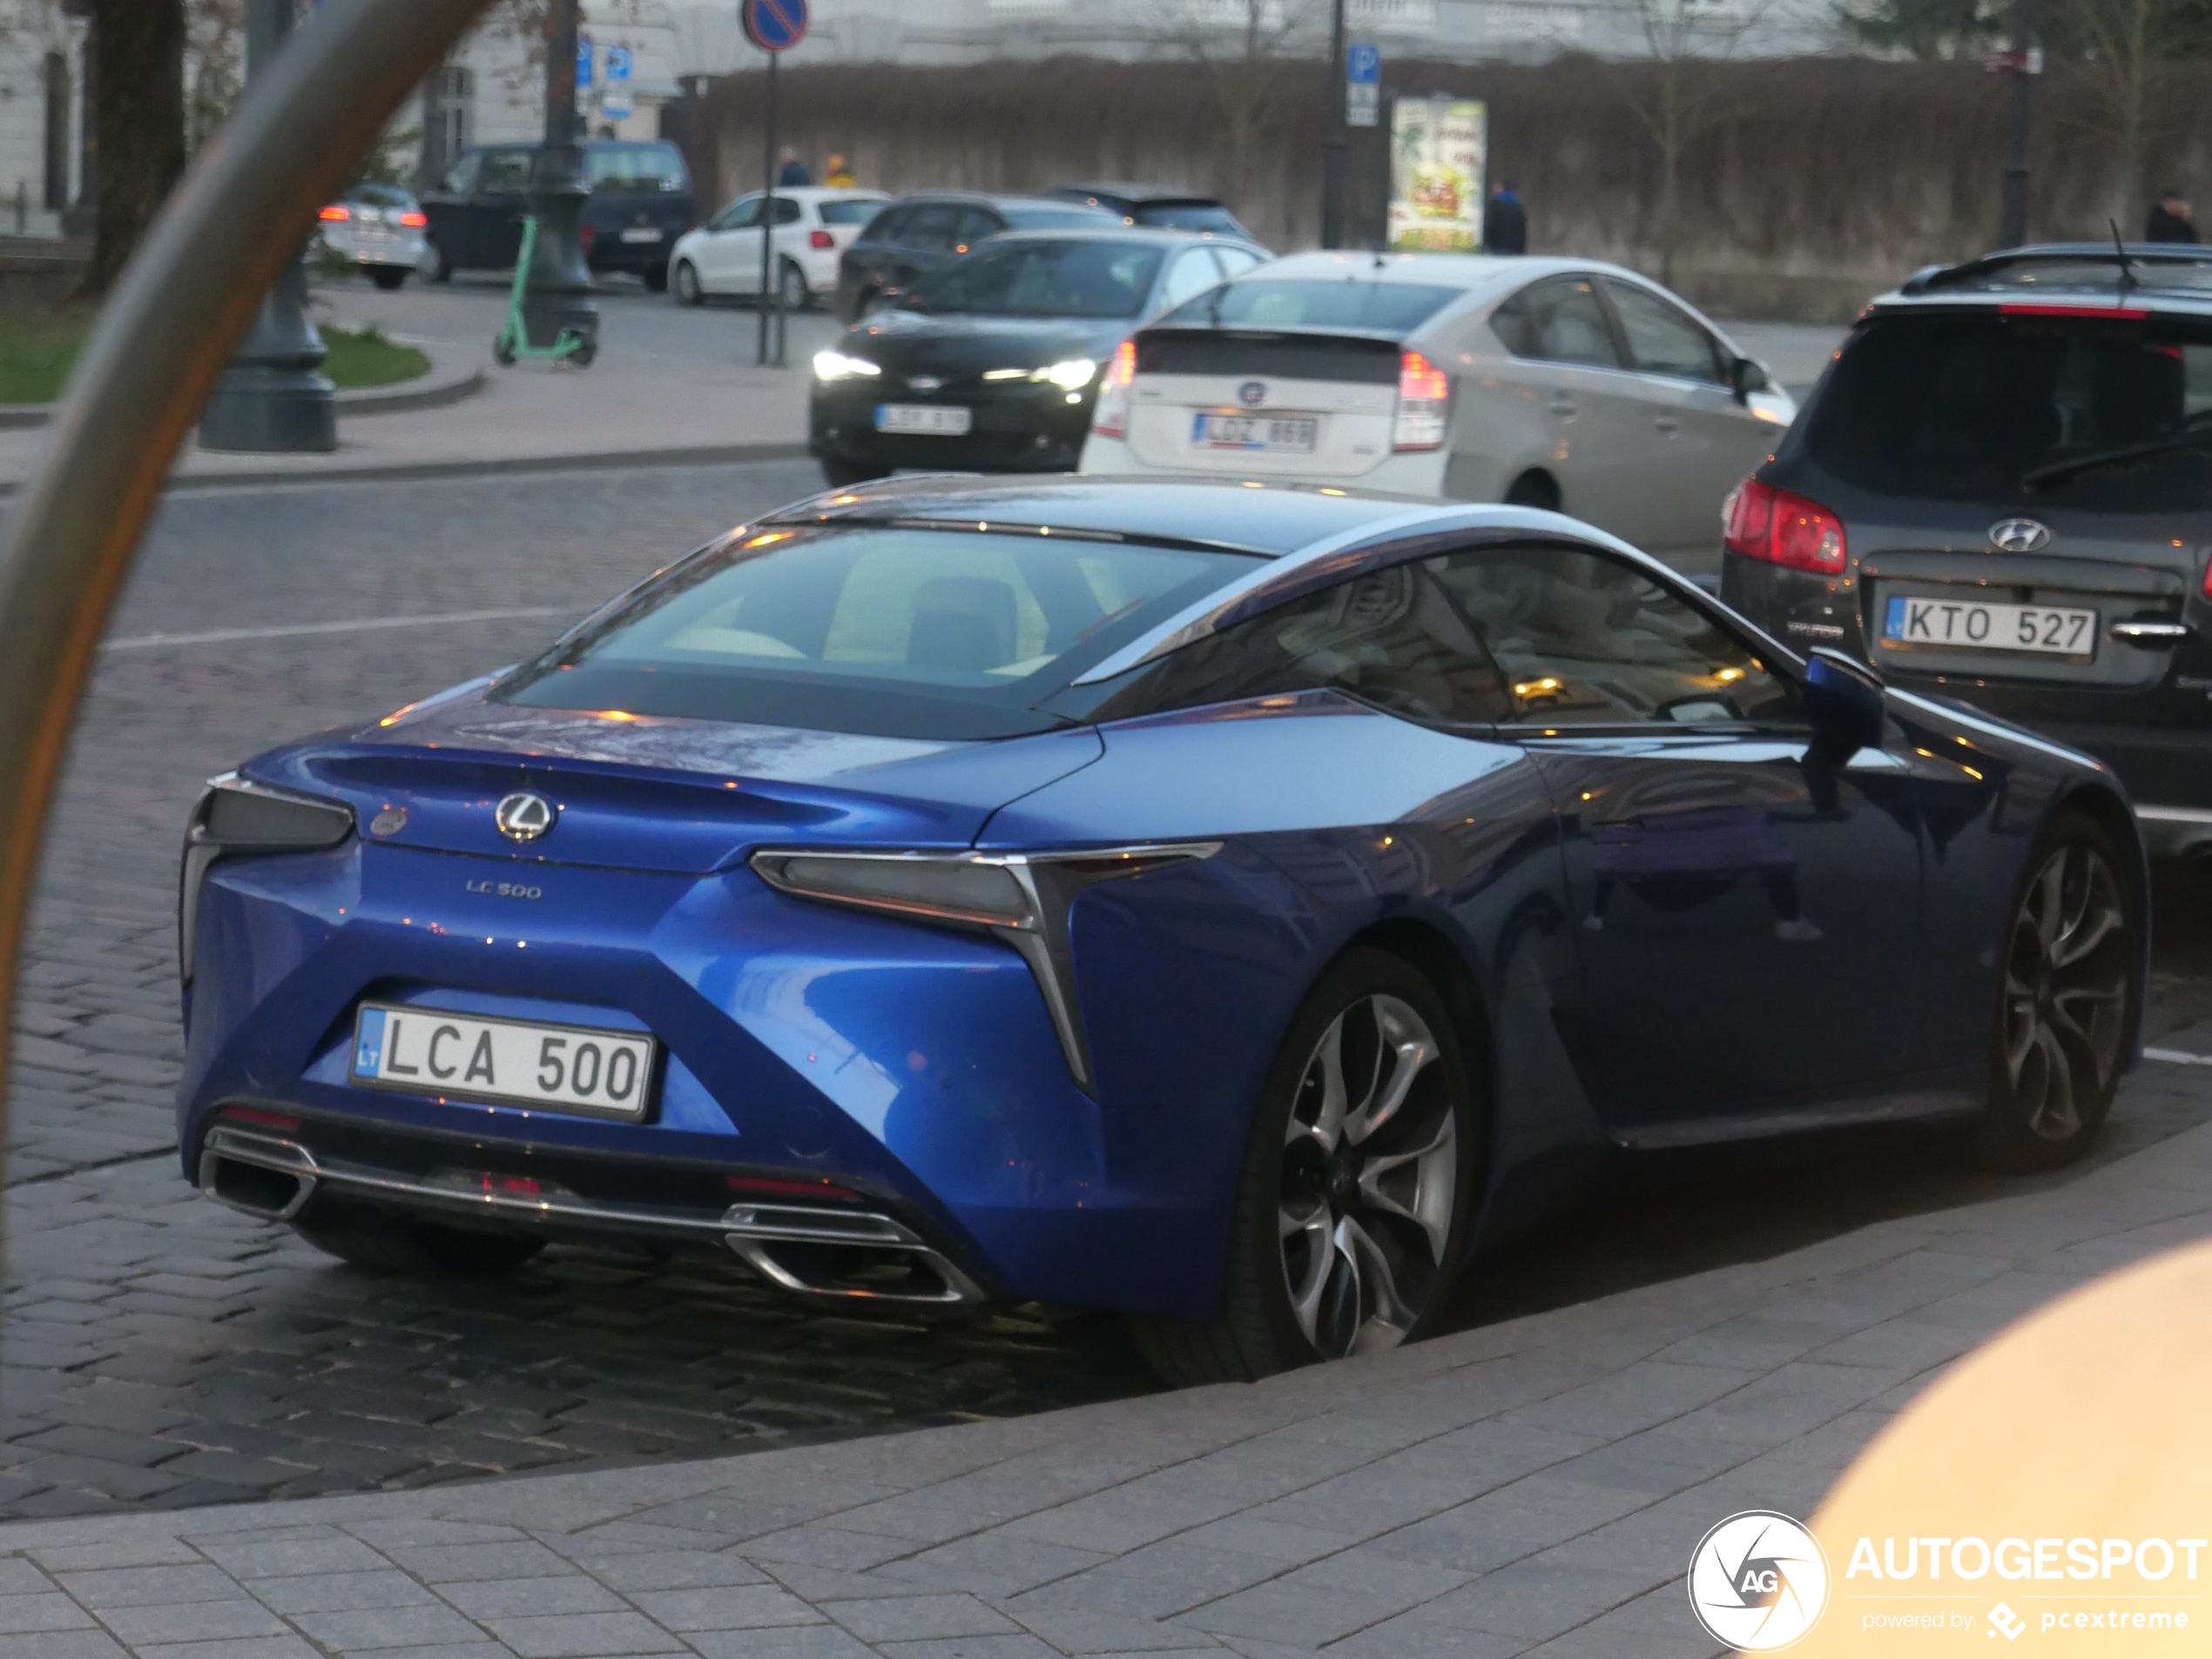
614,102
583,62
773,25
1362,85
1363,63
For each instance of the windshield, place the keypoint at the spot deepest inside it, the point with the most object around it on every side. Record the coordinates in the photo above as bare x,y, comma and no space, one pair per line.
1187,216
1072,279
1290,302
629,167
892,632
847,213
379,196
1954,407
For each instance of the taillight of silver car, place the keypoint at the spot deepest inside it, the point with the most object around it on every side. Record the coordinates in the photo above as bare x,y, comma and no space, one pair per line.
1424,404
1760,521
1110,418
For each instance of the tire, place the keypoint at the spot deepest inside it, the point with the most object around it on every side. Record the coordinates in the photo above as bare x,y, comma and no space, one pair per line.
502,350
382,1242
688,292
792,292
657,279
2066,998
1325,1259
1534,489
387,277
587,350
843,474
434,265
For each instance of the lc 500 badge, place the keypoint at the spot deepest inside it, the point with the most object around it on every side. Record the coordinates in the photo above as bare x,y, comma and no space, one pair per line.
505,889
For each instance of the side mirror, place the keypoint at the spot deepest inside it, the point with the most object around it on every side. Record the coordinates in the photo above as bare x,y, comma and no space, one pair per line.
1844,702
1746,376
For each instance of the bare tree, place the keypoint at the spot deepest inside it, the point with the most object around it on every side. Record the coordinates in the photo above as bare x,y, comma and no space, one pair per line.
1246,50
2128,58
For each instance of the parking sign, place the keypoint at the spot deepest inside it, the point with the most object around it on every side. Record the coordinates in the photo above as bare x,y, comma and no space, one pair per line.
614,102
1362,85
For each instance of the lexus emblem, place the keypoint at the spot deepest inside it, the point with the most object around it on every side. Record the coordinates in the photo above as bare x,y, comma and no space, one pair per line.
2018,535
1253,394
924,382
524,817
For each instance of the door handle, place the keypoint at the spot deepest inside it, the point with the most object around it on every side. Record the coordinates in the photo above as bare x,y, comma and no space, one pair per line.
1667,423
1564,407
2155,635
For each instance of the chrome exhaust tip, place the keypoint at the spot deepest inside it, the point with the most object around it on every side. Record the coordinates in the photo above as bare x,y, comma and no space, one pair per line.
844,1253
262,1176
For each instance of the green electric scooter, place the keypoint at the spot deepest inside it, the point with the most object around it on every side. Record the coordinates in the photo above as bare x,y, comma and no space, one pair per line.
513,339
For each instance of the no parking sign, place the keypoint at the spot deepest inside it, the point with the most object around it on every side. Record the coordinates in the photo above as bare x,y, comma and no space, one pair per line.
773,25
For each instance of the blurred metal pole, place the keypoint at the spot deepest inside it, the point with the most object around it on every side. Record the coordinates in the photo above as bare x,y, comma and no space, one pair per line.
1335,154
156,349
274,397
771,286
2013,208
559,293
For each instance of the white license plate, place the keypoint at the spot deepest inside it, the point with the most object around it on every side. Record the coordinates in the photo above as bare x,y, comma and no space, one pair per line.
565,1068
937,418
1283,434
1955,624
646,234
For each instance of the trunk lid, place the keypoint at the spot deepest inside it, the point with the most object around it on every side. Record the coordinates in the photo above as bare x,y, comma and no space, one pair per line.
1249,402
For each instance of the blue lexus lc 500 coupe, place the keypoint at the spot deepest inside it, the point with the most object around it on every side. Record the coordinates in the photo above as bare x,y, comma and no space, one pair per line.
1225,904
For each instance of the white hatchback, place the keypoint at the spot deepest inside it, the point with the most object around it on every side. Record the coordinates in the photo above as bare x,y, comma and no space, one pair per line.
1558,383
814,225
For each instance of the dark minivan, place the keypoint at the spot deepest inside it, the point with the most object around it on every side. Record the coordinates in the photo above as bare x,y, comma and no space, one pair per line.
2000,494
640,203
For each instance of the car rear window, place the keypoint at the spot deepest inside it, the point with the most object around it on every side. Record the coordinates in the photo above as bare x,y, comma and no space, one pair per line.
376,195
1292,303
1044,278
847,213
1053,218
626,168
1959,406
891,631
1187,216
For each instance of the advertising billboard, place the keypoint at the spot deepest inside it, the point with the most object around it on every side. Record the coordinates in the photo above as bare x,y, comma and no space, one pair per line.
1439,149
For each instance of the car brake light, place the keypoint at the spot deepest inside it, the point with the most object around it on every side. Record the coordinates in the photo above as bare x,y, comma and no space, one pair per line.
1424,394
586,235
761,1186
415,220
253,1115
820,238
2208,578
1760,521
1111,419
333,215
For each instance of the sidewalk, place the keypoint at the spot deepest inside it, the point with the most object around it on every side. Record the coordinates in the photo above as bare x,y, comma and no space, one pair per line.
1534,1486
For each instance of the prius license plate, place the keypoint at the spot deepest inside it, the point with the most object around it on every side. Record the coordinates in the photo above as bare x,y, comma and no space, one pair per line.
944,421
561,1068
1955,624
1275,434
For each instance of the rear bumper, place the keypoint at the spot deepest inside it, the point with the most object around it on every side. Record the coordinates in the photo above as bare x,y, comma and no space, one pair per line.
1036,431
1418,472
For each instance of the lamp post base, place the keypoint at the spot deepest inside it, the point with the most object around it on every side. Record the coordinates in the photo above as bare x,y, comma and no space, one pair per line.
270,408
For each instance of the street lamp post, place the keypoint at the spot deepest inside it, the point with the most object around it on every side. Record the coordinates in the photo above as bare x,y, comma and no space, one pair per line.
1335,156
558,293
2012,228
274,395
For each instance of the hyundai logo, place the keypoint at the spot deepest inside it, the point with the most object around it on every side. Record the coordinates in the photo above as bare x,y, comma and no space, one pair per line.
524,817
1253,394
2018,535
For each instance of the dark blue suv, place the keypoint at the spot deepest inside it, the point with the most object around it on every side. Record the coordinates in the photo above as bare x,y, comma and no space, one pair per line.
641,202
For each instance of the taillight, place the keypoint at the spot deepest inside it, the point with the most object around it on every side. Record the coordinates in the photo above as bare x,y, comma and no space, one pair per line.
1424,394
2208,578
1760,521
820,238
1110,420
415,221
333,215
586,236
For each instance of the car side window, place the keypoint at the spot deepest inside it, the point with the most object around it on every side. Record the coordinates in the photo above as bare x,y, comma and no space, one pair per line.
787,211
1582,639
1396,639
1559,321
506,172
460,181
930,226
1662,338
976,224
889,225
1235,261
1191,274
740,215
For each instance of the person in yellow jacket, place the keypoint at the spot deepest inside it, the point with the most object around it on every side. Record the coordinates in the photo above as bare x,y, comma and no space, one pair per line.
837,176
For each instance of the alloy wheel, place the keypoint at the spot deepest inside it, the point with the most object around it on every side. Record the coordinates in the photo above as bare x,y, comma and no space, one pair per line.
1370,1177
2066,974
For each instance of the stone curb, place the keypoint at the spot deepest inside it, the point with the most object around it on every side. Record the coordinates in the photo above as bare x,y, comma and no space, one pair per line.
433,390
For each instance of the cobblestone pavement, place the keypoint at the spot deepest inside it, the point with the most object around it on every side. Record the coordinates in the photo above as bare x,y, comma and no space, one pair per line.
161,1352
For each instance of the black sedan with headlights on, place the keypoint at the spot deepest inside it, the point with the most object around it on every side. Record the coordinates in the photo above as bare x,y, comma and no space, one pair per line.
992,365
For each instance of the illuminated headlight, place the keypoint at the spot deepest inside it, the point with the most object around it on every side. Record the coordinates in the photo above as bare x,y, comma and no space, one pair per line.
836,366
1070,376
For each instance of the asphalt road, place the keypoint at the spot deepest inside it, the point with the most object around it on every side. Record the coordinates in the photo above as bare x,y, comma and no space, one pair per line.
159,1350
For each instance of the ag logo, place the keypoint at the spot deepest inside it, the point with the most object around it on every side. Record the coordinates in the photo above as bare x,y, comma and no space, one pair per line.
1253,394
1758,1581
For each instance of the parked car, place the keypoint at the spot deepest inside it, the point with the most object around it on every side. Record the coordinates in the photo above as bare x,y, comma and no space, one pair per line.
378,228
813,228
1234,907
640,203
918,235
1160,207
2001,492
1556,383
991,363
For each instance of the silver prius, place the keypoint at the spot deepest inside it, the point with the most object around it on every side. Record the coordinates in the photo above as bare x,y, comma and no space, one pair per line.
1559,383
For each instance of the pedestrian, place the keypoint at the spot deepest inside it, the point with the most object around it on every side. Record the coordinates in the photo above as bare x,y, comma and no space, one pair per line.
839,177
1505,222
2170,219
794,171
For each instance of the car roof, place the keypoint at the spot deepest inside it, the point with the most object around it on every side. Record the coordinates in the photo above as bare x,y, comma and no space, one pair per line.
2163,276
820,193
1141,194
1475,272
1155,235
990,198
